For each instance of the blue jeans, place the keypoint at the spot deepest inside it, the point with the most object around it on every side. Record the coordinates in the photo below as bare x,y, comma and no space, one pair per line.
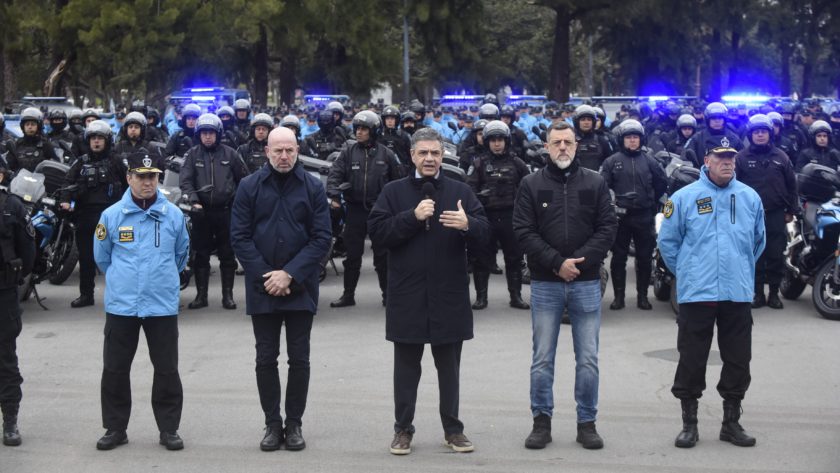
548,301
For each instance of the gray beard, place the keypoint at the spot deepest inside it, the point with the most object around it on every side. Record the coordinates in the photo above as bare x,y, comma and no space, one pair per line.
563,163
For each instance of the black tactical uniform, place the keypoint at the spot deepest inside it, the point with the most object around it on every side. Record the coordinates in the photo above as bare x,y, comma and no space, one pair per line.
28,151
399,142
17,255
495,179
367,167
327,139
100,181
706,139
770,173
253,154
209,177
628,173
181,142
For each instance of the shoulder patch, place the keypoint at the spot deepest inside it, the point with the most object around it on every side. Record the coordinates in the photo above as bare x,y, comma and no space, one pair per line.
101,232
669,208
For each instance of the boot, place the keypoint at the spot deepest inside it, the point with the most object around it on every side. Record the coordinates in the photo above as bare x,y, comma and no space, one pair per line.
11,436
202,280
514,283
481,279
83,300
587,435
642,301
618,302
689,436
730,430
540,435
351,279
773,300
228,275
758,300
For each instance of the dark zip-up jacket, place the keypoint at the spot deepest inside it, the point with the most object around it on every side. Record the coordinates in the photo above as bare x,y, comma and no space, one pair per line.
637,172
220,167
367,169
769,172
562,214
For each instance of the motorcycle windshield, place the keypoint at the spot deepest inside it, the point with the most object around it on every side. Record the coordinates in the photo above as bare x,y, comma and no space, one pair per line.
172,194
28,186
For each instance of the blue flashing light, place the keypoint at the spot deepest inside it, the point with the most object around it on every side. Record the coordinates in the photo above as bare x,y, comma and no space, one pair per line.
203,89
745,98
658,98
204,98
461,97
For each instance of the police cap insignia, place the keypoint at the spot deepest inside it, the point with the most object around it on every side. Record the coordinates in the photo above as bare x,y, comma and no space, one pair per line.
669,209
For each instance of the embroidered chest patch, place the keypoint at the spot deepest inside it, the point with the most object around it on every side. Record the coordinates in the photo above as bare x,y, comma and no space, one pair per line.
126,234
704,205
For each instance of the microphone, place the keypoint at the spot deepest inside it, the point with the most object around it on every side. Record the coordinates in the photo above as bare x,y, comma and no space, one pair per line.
428,191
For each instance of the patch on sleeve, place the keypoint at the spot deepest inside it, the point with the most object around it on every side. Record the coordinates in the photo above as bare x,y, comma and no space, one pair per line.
704,205
669,208
101,232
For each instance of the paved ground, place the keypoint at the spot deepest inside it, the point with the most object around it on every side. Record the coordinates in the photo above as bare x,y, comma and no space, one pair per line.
792,406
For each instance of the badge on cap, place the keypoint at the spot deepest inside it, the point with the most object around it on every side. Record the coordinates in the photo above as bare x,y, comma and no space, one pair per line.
101,232
724,142
669,208
147,162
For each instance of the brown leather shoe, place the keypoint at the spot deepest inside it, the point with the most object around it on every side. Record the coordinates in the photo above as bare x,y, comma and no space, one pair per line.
459,442
401,445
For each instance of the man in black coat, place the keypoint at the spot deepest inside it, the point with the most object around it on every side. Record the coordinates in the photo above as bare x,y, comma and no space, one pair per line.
426,222
280,231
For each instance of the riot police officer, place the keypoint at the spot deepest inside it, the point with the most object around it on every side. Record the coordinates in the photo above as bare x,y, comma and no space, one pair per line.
495,177
6,140
60,136
791,130
638,182
242,110
76,124
209,177
132,138
395,139
17,255
292,122
366,166
821,150
185,139
781,141
80,143
592,148
231,137
154,128
98,180
5,135
769,171
328,138
487,112
253,152
408,123
518,139
468,154
32,147
713,136
686,127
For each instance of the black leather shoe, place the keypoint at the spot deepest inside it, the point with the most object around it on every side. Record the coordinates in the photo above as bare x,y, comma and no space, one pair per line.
774,302
643,303
112,439
171,440
82,301
294,438
759,301
272,440
617,303
11,436
346,300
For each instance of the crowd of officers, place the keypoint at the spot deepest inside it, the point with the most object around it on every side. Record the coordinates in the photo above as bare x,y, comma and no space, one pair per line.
497,146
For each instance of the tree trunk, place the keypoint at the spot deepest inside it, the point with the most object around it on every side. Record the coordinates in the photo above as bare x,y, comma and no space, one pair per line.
288,82
784,86
715,80
9,77
734,59
560,86
261,69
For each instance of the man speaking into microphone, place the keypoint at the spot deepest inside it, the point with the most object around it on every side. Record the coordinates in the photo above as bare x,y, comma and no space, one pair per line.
426,222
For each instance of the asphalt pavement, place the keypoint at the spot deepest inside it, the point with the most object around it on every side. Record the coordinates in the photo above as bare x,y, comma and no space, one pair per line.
791,408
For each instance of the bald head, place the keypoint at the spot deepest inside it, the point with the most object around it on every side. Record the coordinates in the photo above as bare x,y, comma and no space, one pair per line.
282,149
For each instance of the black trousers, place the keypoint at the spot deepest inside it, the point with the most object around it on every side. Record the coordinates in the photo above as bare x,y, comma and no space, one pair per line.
86,221
501,231
640,228
267,334
407,371
355,232
212,230
10,378
770,266
696,323
121,336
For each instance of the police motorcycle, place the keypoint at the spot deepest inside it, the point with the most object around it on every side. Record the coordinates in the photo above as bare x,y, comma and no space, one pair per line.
171,189
321,169
812,256
56,253
680,173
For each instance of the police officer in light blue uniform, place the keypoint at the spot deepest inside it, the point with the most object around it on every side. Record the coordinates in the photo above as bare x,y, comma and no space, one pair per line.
711,238
141,244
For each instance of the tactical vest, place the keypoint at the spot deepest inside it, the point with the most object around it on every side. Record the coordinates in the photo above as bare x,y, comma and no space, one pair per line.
29,155
590,153
500,178
255,158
